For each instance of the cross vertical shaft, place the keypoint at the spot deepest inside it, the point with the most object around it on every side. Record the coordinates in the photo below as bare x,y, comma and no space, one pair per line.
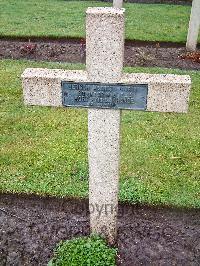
194,26
117,3
104,63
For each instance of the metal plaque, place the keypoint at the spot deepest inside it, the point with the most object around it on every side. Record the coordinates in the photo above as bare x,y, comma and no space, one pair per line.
100,95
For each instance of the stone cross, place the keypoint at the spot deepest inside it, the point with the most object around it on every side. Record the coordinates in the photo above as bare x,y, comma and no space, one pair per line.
194,26
104,65
117,3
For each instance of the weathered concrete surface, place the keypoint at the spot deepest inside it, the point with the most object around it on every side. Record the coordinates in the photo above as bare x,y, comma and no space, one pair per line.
166,93
104,44
194,26
117,3
104,63
43,86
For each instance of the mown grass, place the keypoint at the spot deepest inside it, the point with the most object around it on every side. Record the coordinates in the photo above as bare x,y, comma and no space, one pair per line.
44,150
59,18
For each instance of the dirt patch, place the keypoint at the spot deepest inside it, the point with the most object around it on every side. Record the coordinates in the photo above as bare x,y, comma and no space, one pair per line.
169,2
194,56
146,54
31,226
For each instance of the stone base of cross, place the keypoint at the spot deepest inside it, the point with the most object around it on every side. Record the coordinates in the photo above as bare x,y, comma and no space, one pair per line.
104,63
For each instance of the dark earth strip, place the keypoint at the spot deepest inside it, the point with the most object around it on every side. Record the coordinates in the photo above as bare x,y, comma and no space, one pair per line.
73,51
173,2
168,2
31,226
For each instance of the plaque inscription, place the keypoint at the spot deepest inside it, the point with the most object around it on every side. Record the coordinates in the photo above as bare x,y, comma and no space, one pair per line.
101,95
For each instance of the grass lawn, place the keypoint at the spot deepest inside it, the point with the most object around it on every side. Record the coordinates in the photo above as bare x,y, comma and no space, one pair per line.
60,18
44,149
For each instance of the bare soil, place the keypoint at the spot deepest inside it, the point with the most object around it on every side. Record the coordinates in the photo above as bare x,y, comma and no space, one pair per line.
138,53
173,2
31,226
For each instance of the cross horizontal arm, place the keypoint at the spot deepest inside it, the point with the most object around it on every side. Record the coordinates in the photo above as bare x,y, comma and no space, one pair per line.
166,93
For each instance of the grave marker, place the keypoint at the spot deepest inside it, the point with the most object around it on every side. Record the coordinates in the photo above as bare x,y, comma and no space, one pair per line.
105,89
117,3
194,26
